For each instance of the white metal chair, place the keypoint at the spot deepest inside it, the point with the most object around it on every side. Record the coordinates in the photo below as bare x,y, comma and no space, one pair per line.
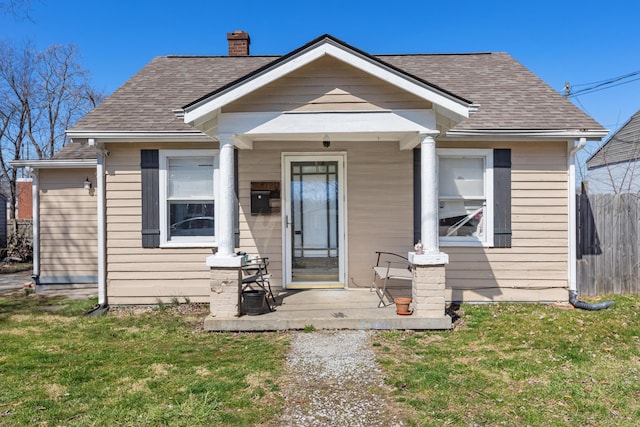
389,266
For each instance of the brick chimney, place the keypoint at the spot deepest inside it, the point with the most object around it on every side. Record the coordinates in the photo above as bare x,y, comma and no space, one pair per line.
238,43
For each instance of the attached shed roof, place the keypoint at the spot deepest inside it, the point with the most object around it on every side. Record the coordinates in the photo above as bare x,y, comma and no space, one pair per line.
622,146
74,150
510,97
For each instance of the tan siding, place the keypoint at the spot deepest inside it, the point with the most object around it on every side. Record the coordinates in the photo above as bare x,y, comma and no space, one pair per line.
261,234
68,227
370,226
380,202
327,85
380,217
136,275
535,267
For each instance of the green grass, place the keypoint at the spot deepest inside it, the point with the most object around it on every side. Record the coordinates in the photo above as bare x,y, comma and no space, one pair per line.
59,367
503,364
520,364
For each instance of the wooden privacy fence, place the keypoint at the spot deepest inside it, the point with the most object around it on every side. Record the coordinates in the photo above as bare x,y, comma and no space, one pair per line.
608,240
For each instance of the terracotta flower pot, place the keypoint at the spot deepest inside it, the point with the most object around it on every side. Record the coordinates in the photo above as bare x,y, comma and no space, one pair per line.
402,306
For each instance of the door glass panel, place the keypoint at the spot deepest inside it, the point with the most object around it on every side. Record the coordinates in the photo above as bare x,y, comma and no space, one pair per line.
314,213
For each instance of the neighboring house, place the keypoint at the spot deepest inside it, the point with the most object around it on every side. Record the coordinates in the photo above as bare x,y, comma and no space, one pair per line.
338,154
24,194
615,167
64,218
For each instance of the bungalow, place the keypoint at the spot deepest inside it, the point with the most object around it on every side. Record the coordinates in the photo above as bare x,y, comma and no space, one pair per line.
317,159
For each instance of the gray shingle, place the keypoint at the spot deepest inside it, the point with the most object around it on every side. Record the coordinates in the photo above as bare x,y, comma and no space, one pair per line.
147,100
510,96
622,146
75,151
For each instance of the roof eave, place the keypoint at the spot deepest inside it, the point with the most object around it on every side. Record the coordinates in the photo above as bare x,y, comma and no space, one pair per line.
55,164
141,136
538,134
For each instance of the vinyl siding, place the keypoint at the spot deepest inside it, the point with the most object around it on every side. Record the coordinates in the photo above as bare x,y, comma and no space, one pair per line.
380,217
137,275
535,267
68,226
327,85
380,205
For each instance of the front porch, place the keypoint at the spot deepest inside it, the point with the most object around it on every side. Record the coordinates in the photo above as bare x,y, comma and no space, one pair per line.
327,309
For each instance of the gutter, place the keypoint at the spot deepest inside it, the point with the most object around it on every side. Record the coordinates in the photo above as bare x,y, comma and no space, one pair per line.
573,243
526,134
35,222
54,164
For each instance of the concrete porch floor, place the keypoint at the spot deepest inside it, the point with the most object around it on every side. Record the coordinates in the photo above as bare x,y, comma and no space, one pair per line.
327,309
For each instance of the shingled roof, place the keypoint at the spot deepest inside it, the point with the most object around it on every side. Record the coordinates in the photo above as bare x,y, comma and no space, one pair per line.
622,146
509,95
75,151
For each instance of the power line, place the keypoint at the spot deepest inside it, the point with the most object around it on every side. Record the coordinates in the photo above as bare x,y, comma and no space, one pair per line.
599,88
599,85
608,80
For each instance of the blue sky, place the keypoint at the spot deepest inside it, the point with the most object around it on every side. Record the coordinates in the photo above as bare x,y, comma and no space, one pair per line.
576,41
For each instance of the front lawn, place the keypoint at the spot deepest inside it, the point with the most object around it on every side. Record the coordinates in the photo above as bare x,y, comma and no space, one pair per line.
144,367
521,365
503,364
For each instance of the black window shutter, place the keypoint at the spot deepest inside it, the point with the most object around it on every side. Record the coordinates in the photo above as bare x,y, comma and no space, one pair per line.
149,166
502,197
417,196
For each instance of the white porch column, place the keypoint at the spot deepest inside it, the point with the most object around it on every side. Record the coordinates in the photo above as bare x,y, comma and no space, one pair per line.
225,266
429,196
226,198
428,285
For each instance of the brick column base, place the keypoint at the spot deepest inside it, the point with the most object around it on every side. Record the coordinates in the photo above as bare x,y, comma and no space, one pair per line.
428,290
225,291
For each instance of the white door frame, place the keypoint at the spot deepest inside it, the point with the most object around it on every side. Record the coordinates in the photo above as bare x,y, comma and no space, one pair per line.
287,159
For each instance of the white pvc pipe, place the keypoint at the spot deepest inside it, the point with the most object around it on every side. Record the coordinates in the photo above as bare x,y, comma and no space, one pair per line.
573,258
35,206
102,238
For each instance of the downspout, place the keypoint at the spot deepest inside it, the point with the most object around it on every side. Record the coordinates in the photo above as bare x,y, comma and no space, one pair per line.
102,240
573,259
102,259
35,205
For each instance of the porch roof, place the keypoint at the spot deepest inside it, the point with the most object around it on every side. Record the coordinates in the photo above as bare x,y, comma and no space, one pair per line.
509,96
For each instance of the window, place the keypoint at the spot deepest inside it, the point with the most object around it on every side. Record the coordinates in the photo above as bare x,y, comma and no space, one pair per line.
465,200
187,197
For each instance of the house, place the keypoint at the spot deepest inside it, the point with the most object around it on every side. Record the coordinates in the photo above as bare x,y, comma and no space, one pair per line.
317,159
24,208
615,167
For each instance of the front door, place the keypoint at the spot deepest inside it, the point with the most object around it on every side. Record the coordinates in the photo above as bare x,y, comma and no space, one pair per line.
314,221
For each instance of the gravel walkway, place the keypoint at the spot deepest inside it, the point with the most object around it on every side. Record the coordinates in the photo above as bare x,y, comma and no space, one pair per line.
333,380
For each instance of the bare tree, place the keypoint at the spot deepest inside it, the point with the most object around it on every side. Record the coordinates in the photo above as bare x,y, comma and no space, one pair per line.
42,93
19,9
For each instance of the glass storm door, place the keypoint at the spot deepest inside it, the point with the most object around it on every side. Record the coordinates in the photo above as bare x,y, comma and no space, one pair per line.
314,222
